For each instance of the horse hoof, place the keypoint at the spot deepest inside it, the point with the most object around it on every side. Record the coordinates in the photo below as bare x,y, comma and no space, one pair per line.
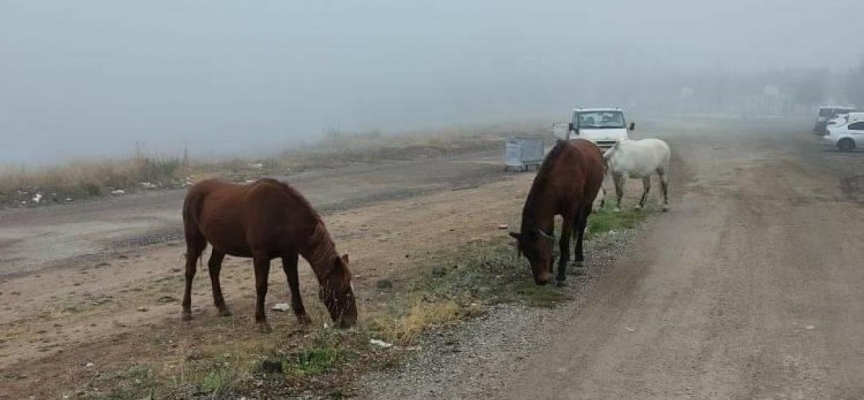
665,208
187,316
264,327
304,319
560,283
580,264
225,312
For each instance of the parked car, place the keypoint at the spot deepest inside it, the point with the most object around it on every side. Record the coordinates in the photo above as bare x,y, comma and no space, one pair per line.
603,126
848,133
827,114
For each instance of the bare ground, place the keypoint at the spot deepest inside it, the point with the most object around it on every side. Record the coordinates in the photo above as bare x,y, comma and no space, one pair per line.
749,288
77,295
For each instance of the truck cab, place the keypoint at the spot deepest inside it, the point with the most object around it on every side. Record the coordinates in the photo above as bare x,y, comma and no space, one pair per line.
603,126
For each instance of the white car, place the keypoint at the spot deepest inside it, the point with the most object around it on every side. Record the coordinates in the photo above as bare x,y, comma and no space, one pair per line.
603,126
828,113
847,134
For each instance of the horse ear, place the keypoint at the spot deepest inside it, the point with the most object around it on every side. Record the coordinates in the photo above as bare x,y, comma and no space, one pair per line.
345,259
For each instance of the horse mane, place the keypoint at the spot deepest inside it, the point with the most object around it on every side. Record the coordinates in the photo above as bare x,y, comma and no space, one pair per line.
294,195
540,183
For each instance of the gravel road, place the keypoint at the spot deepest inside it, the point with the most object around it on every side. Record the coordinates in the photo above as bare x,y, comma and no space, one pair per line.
750,288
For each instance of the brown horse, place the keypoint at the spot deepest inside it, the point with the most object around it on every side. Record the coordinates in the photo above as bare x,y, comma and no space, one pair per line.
566,185
265,220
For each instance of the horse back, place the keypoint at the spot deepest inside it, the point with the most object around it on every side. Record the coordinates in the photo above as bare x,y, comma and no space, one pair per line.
243,220
590,167
578,173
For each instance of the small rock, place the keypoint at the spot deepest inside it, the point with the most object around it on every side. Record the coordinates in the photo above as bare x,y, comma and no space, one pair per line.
89,365
118,192
142,309
503,226
629,329
810,327
283,307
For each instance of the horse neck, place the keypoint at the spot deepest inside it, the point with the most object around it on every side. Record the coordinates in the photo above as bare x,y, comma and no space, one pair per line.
320,253
539,211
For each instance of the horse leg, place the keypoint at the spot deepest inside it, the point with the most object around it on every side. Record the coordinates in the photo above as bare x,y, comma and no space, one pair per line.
601,196
664,185
564,246
195,244
646,187
262,271
580,234
289,264
619,180
215,266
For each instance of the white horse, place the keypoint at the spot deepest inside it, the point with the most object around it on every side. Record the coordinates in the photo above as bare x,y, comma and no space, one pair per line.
638,159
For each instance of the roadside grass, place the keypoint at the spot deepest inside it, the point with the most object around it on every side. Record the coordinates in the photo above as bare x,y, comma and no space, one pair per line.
24,186
606,219
452,286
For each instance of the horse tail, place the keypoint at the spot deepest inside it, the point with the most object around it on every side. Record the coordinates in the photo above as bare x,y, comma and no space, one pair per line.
195,240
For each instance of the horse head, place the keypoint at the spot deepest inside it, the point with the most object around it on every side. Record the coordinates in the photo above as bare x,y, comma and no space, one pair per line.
537,246
337,294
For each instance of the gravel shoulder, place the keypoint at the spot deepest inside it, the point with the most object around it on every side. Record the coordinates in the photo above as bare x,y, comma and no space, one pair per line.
750,288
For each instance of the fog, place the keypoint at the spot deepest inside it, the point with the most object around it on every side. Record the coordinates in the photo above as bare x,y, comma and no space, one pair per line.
91,79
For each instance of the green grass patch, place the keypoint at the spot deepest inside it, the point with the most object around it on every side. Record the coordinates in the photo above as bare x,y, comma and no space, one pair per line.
606,220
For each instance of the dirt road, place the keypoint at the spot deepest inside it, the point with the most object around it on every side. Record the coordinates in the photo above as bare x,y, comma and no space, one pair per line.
64,235
752,287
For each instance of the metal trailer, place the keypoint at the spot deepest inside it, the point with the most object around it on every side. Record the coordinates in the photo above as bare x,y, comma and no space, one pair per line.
522,153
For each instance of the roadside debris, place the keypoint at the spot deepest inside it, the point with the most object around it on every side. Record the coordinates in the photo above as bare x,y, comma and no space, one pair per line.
380,343
282,307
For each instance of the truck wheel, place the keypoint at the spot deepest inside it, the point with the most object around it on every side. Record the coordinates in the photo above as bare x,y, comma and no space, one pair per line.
846,145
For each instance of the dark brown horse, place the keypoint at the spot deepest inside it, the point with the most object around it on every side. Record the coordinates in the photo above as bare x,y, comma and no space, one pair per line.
566,185
265,220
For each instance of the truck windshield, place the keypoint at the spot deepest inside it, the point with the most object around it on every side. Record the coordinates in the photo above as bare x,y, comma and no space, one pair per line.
601,120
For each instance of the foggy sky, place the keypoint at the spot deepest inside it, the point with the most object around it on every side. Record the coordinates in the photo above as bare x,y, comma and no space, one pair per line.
91,78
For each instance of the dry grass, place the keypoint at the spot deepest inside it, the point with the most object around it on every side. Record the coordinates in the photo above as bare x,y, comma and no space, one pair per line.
406,328
78,180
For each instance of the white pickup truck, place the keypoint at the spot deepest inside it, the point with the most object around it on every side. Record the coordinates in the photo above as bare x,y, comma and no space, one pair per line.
603,126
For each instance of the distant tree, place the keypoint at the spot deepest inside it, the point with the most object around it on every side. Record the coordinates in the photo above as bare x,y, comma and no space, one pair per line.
855,85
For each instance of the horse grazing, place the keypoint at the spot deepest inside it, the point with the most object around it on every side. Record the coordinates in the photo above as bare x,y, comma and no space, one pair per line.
639,159
264,220
566,184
